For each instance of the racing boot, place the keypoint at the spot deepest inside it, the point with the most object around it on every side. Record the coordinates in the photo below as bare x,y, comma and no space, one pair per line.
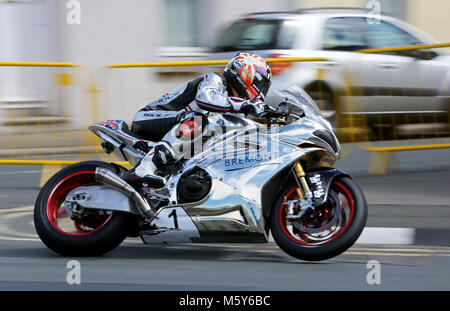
145,171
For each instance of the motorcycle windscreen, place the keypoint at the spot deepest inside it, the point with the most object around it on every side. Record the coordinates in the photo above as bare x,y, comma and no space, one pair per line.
297,96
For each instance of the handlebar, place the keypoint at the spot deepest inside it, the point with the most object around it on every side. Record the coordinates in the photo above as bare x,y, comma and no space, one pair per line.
275,114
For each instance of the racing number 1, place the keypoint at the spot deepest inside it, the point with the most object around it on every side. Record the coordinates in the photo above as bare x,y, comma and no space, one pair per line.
175,219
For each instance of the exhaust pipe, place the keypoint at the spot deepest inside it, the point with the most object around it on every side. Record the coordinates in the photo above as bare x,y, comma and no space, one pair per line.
105,176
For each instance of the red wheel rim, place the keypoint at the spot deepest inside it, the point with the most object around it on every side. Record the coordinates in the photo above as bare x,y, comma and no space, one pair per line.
57,215
304,238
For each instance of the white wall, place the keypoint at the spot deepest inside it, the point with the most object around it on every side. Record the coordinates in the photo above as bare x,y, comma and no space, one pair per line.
121,31
431,17
110,31
27,33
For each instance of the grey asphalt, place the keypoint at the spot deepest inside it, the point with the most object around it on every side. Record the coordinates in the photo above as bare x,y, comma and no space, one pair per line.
415,199
407,200
223,267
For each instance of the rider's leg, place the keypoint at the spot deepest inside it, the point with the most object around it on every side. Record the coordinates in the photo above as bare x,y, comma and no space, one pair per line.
176,144
161,154
153,125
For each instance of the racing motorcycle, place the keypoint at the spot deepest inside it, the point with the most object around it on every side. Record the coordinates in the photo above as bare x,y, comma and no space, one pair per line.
251,179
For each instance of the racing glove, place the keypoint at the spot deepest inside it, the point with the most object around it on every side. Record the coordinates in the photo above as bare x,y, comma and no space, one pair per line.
254,107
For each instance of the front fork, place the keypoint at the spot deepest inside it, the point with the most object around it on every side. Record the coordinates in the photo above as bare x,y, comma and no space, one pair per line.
304,203
301,181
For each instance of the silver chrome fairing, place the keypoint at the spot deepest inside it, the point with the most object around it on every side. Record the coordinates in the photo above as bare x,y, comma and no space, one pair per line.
247,165
102,197
113,132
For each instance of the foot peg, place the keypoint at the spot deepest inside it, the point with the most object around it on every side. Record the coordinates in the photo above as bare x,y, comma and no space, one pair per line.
153,181
149,216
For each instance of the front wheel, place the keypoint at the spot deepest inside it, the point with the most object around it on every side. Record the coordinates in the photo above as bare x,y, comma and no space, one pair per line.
327,231
94,233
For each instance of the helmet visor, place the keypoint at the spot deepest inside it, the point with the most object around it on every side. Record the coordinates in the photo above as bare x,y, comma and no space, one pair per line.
262,87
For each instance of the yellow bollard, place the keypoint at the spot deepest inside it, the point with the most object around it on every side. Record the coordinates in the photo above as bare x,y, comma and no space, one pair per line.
47,172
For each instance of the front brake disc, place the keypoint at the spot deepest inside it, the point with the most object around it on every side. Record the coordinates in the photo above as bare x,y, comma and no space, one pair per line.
332,199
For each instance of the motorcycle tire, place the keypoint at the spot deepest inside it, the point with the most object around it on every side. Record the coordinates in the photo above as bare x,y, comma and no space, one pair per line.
94,234
350,215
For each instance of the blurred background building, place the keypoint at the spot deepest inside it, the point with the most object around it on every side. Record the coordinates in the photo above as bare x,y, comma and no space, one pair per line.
139,30
119,31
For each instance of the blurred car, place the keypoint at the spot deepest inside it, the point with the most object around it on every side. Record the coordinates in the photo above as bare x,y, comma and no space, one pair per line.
386,89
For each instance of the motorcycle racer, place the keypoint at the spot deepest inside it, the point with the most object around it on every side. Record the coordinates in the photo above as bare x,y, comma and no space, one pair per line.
174,116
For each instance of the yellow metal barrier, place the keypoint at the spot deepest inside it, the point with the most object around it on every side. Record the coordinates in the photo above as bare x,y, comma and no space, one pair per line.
406,48
91,93
128,87
39,64
50,162
128,98
132,93
213,62
383,157
46,112
395,119
406,148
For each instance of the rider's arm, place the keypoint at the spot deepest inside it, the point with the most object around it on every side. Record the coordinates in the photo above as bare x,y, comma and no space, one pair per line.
212,96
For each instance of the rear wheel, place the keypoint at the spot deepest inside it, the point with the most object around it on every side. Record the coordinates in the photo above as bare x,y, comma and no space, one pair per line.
93,232
327,231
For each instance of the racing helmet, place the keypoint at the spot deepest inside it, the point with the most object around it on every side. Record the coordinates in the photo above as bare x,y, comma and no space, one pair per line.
249,75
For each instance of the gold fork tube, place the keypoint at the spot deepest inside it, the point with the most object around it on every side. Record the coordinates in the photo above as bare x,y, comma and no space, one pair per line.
300,173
